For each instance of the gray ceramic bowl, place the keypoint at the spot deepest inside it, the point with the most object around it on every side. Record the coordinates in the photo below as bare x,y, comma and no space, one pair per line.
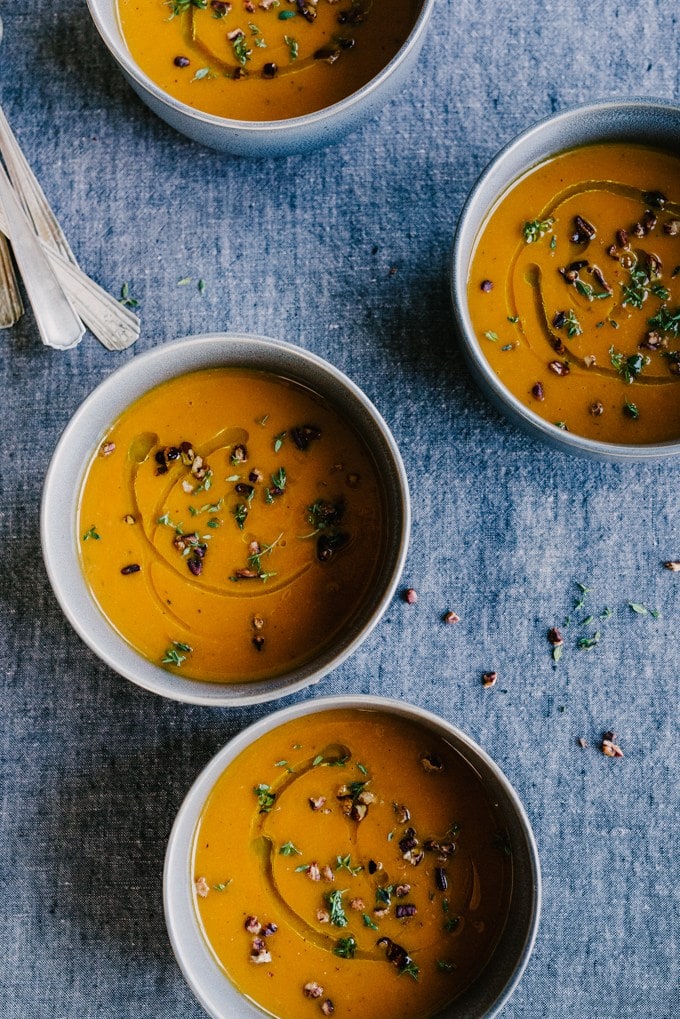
490,992
84,434
653,122
268,138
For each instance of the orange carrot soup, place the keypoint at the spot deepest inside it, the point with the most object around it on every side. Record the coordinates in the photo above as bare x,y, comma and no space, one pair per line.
230,524
351,863
574,292
264,59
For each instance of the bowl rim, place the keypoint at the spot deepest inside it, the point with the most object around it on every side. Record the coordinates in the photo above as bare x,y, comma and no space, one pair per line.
119,50
63,570
178,902
459,266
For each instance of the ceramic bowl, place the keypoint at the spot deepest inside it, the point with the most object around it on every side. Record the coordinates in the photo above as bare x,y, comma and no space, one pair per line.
82,437
487,995
266,138
651,122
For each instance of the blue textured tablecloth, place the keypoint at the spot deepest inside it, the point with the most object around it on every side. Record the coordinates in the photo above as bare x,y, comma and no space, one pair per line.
345,252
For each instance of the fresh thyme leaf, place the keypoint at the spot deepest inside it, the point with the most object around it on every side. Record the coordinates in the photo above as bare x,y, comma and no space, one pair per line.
534,229
587,643
336,909
279,478
240,48
628,367
176,653
362,768
513,318
587,621
606,613
490,335
278,441
178,7
445,966
317,760
631,410
240,514
412,969
201,286
638,608
655,613
203,72
288,849
293,47
345,947
557,652
183,282
383,895
345,863
222,886
125,299
667,321
281,764
572,324
92,533
369,923
553,242
265,797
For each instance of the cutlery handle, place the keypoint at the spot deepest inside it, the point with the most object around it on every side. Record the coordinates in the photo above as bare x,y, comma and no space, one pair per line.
57,322
30,193
11,305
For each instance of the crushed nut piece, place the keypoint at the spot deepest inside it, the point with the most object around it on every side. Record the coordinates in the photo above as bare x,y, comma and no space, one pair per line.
323,916
327,1007
129,519
451,617
402,812
673,564
489,679
430,763
107,448
313,872
357,904
316,802
609,747
252,925
202,887
327,873
555,637
312,990
581,742
672,227
402,890
410,596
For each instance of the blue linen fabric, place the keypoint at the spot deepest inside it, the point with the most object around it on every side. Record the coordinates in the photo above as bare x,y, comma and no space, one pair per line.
344,252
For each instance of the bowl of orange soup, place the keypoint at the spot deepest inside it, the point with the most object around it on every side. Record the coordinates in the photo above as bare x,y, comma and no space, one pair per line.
225,519
352,856
566,280
264,77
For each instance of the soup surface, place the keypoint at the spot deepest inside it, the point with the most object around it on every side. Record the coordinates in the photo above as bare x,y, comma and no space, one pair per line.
230,524
574,292
264,59
351,858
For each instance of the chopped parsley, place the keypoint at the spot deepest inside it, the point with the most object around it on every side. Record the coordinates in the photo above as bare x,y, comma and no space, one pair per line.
265,797
534,229
628,367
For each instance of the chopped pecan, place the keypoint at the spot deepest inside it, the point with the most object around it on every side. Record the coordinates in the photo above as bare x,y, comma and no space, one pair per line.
202,887
312,990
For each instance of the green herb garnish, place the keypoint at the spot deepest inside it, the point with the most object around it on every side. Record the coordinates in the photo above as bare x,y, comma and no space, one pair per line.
125,299
240,514
293,47
534,229
445,966
345,863
369,923
346,947
176,653
631,410
337,912
588,643
288,849
412,969
265,797
92,533
278,441
628,367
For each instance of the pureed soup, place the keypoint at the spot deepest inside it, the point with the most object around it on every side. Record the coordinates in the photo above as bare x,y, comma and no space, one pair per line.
259,60
230,525
574,292
351,863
